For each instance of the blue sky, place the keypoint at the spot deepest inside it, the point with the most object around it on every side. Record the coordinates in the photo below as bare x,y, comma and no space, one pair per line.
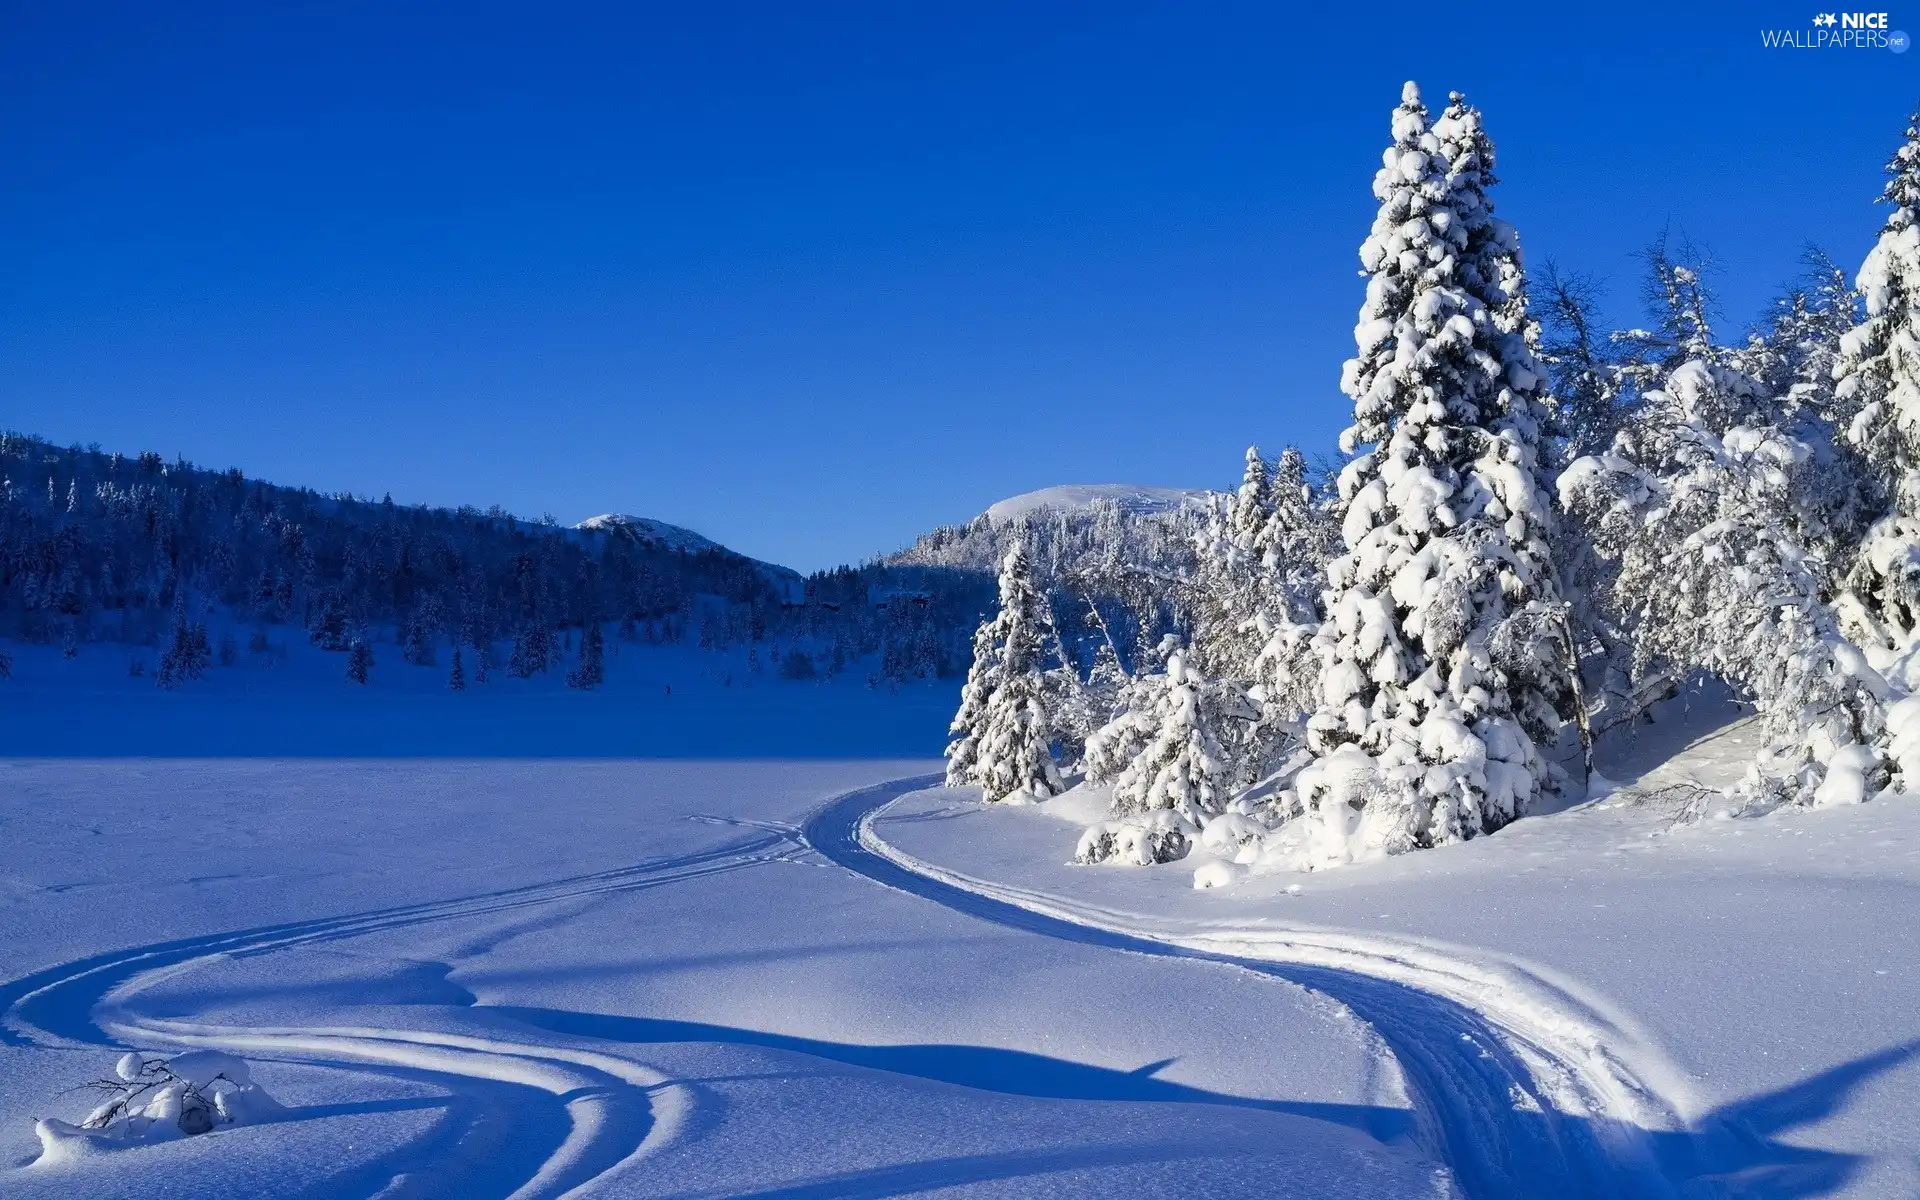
812,278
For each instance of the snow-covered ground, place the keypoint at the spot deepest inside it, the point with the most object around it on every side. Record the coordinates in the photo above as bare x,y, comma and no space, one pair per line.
1742,989
522,977
488,976
658,701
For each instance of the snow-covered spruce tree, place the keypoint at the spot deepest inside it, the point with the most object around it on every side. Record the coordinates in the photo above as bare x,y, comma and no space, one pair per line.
1421,736
1002,726
457,677
1878,372
1170,773
1252,505
963,752
1877,392
1247,597
188,653
359,660
1181,766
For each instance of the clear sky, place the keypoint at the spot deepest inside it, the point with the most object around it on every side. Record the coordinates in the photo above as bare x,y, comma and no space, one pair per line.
814,277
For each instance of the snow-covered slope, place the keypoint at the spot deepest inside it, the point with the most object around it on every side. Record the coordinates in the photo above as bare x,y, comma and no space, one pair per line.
1132,498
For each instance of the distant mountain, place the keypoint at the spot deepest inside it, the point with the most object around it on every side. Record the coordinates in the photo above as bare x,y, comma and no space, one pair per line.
646,531
1133,499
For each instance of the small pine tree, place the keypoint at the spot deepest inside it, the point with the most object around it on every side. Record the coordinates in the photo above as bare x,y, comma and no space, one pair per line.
1253,504
963,752
457,677
359,660
418,647
188,653
1003,726
591,672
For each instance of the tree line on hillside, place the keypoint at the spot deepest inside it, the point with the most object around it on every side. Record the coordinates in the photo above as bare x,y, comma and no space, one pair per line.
1538,531
194,569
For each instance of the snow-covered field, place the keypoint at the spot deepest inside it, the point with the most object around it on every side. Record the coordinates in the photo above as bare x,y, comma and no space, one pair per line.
658,701
488,977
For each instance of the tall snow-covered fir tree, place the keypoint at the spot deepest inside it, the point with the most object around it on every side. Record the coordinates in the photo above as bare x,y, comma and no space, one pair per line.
1421,734
1002,732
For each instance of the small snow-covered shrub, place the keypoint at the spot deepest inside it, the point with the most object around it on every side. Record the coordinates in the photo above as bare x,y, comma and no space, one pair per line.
1232,835
160,1099
1159,836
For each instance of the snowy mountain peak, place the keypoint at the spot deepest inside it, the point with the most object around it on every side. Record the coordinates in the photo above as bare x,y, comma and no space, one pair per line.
646,529
1132,498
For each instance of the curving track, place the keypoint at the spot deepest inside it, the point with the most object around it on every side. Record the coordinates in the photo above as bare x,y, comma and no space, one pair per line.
1511,1111
530,1119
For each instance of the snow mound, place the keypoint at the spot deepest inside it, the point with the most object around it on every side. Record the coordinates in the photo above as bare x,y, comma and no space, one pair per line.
153,1100
1132,498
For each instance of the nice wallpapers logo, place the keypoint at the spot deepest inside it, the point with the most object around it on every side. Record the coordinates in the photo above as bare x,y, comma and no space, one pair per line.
1840,31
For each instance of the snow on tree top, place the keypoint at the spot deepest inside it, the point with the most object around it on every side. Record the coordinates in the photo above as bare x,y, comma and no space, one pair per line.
1132,498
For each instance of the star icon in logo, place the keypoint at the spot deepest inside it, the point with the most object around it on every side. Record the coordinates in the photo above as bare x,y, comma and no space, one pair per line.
1825,19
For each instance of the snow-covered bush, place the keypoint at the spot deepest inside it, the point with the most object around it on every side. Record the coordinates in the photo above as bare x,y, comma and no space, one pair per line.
155,1099
1140,840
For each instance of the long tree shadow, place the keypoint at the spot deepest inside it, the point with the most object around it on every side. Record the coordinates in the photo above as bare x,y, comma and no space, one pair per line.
1738,1152
985,1068
1733,1151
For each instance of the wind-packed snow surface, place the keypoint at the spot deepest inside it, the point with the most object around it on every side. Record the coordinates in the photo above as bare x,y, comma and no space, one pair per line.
538,978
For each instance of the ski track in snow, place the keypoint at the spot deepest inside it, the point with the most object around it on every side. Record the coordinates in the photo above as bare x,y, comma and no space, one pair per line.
529,1119
1522,1085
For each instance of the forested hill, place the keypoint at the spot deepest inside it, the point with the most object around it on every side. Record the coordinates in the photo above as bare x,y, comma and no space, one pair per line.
102,547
